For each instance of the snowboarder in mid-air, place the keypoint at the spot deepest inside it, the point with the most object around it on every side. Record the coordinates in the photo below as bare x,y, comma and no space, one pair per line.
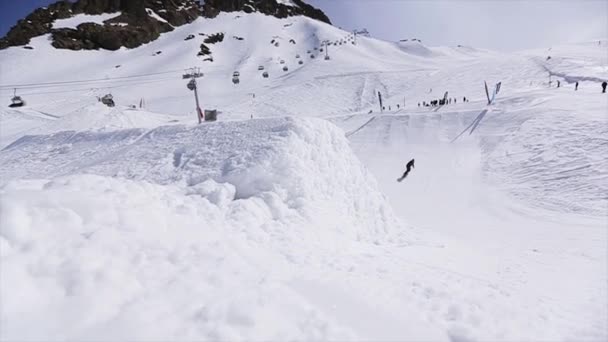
408,168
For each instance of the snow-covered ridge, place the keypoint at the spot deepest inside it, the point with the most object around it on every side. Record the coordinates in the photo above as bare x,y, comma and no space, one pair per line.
305,164
78,19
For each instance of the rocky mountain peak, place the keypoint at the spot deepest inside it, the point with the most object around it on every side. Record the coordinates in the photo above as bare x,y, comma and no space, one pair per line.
137,21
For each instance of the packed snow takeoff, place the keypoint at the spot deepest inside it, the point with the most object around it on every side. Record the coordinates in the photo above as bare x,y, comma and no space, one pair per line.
408,168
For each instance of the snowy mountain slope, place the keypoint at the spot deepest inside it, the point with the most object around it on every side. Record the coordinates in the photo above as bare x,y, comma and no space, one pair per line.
586,61
216,90
93,116
523,192
502,234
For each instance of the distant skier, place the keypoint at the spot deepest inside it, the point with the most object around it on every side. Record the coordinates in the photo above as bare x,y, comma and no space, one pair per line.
604,86
408,168
558,83
576,86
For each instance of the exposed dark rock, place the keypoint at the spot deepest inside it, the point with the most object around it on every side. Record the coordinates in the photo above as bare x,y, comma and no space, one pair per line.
214,38
204,50
136,25
29,47
132,28
238,38
190,36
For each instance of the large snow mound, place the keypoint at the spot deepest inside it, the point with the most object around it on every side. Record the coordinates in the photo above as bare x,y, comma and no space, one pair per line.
416,48
305,164
158,228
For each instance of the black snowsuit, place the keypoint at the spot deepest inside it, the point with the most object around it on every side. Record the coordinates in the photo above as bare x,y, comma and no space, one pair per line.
408,168
604,86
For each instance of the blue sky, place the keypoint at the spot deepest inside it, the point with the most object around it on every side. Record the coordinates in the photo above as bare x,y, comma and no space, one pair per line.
13,10
495,24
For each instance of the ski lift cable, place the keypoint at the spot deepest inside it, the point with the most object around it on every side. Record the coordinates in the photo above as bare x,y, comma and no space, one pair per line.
93,83
89,80
98,88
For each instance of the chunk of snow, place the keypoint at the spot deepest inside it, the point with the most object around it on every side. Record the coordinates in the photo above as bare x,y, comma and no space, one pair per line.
287,3
155,15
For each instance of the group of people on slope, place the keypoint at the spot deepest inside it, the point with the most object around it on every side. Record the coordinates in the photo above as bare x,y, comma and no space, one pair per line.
442,102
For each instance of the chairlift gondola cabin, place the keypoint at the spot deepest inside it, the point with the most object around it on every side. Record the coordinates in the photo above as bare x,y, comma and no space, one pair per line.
108,100
282,61
312,56
265,74
16,101
327,57
298,56
261,67
300,62
191,85
285,68
235,77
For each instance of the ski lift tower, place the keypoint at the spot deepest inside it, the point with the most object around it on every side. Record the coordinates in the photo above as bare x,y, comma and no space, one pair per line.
252,103
326,43
192,74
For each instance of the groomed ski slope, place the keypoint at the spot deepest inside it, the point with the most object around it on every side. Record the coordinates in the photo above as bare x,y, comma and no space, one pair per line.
138,225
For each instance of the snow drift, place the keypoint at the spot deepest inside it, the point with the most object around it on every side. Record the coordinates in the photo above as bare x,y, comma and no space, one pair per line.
150,229
305,164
